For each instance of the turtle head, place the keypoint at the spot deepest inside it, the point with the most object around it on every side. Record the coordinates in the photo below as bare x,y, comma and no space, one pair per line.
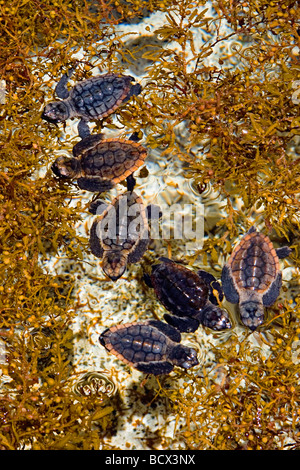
215,317
65,167
114,264
183,356
252,313
56,111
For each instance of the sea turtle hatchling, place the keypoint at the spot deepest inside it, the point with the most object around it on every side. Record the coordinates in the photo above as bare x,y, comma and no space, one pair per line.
251,277
90,99
120,233
189,296
152,347
99,164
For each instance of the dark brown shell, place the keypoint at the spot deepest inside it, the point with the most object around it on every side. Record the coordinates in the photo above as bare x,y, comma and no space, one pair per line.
136,342
179,289
112,159
152,347
99,96
189,296
254,263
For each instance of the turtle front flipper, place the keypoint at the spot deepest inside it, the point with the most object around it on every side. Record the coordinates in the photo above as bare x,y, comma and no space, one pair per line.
153,212
87,143
98,207
271,295
283,252
229,289
182,324
136,254
166,329
134,90
61,89
147,280
95,244
95,183
131,182
83,129
155,368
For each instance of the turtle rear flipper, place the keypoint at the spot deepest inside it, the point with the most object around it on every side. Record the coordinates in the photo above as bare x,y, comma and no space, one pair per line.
83,129
95,183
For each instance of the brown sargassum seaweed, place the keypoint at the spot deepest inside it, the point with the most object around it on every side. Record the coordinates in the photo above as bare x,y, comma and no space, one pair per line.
241,116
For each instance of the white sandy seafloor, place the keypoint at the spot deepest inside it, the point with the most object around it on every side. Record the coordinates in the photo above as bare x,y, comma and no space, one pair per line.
146,421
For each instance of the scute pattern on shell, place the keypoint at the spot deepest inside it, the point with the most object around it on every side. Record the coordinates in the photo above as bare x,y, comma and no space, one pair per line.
113,159
188,296
137,342
126,208
179,289
254,263
152,347
100,96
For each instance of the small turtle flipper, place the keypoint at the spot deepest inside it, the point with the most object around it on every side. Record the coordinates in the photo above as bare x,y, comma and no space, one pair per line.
155,368
136,254
130,183
95,245
134,90
252,229
271,295
95,183
98,207
182,324
83,129
147,280
283,252
153,212
61,89
166,329
136,136
86,144
230,291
